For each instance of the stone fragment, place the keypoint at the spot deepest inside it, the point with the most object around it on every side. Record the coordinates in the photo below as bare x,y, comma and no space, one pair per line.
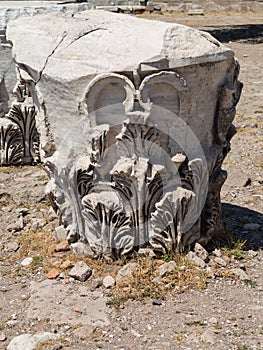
32,8
95,283
60,233
62,247
81,249
22,211
209,272
2,337
37,223
26,262
166,268
252,253
108,282
30,341
226,258
213,320
217,253
11,323
81,271
182,268
95,60
208,337
201,252
157,280
6,209
126,271
241,274
12,247
157,302
220,261
252,227
16,226
52,274
191,256
146,252
25,297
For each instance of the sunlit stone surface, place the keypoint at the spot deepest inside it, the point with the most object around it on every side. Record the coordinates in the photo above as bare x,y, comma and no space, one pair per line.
134,118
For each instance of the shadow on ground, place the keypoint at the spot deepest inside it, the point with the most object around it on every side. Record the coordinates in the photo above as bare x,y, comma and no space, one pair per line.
252,33
244,224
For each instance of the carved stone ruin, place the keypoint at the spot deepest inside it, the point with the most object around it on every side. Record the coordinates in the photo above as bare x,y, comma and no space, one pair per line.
19,140
135,119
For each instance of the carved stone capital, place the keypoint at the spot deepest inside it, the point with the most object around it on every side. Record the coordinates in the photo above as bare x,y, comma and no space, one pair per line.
135,119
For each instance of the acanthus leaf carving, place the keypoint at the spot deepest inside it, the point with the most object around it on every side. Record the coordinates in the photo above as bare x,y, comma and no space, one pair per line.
23,145
24,116
109,228
128,208
136,187
167,221
11,150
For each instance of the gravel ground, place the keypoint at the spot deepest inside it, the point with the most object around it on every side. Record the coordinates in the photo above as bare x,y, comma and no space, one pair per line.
226,314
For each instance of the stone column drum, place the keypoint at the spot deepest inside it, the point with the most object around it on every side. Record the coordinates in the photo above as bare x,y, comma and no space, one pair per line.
135,119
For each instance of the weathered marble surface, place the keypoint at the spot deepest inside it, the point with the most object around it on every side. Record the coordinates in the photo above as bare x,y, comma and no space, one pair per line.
10,10
135,120
18,136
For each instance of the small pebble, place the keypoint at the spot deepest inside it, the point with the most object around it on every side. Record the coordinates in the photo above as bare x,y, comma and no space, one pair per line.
217,253
213,320
62,247
108,282
12,247
52,274
81,271
26,261
2,337
220,261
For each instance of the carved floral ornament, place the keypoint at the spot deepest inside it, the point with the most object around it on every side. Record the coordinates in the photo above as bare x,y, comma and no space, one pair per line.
138,187
19,139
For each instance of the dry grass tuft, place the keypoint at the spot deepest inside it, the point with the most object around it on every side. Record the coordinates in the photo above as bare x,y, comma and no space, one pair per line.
41,245
142,285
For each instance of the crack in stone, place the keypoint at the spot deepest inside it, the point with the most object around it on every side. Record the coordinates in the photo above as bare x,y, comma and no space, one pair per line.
50,55
86,33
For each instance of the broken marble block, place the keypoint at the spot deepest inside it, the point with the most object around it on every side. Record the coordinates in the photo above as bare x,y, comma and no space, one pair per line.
135,119
19,143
